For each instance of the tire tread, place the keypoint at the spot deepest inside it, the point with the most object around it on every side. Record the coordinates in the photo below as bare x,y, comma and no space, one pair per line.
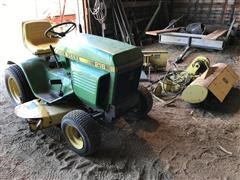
148,97
16,72
86,122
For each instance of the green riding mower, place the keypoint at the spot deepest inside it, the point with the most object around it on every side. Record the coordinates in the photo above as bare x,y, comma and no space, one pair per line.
76,81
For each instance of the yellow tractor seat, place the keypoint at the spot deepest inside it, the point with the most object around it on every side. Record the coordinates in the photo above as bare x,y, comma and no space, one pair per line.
33,36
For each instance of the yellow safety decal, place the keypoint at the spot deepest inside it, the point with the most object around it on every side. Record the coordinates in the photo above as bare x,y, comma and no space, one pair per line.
87,61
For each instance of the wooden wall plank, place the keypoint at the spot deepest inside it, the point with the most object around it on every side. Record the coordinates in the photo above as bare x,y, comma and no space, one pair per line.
208,11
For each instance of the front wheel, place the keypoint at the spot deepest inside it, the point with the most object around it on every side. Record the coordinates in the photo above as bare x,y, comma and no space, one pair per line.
81,132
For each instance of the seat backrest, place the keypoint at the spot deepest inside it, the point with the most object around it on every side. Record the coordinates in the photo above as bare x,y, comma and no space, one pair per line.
33,33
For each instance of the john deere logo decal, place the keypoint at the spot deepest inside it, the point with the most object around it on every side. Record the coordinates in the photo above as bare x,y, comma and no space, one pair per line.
86,61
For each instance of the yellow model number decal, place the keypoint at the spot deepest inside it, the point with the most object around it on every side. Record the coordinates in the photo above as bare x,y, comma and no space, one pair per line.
100,65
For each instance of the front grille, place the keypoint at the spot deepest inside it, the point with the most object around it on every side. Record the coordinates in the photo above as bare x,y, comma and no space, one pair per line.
126,84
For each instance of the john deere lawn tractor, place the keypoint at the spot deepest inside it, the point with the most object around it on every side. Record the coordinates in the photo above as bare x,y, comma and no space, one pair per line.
76,81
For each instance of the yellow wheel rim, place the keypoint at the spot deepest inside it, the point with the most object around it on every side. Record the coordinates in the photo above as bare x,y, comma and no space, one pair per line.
14,90
74,137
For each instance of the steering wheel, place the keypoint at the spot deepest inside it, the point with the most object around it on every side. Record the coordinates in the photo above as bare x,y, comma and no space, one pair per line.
52,33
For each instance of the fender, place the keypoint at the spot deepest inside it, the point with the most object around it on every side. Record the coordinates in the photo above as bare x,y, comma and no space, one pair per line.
38,74
35,72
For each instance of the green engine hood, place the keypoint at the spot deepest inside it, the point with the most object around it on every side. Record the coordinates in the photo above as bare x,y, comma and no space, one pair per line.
105,53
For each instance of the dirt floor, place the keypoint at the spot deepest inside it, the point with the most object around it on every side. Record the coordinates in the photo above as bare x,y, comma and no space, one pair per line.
176,141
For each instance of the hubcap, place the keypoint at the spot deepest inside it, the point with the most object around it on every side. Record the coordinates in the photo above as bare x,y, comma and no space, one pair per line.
74,137
14,90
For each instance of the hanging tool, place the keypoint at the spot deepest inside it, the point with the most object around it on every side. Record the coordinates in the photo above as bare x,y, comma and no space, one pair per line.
99,13
131,40
173,22
79,21
151,20
122,22
116,36
153,17
119,23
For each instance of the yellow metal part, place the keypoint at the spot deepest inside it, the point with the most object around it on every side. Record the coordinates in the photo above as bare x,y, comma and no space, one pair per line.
219,79
156,59
176,80
36,109
194,94
222,79
169,86
74,137
14,90
198,66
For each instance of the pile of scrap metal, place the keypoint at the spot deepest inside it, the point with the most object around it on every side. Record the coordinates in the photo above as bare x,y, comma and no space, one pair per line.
195,83
194,35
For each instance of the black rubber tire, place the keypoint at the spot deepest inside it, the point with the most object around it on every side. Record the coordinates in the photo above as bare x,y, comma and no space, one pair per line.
15,72
146,101
144,105
86,127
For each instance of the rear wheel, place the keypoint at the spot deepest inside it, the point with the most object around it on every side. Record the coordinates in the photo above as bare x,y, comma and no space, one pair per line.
144,105
146,101
17,85
81,132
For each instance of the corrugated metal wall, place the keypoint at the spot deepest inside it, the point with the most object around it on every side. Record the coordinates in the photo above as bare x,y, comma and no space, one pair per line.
207,11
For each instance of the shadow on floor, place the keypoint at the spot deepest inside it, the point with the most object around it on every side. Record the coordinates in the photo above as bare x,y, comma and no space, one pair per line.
231,103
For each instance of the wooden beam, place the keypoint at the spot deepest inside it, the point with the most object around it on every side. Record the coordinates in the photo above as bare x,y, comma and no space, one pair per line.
139,4
215,34
156,32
